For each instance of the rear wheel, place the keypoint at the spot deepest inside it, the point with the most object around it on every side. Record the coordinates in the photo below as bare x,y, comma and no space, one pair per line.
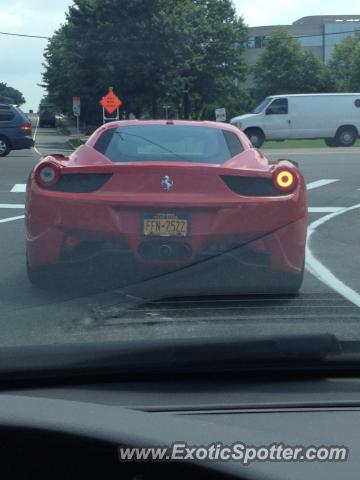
346,136
256,136
331,142
5,147
40,277
288,283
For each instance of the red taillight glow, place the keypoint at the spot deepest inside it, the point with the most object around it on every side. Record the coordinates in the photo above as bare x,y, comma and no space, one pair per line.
285,180
25,127
47,174
71,241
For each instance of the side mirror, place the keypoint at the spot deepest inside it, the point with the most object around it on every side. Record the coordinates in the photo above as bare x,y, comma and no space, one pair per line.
269,111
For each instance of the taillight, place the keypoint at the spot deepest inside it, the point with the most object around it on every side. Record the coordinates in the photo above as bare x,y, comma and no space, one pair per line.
285,180
47,174
71,241
26,127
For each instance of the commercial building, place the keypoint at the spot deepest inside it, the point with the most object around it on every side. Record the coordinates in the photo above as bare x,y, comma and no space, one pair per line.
317,34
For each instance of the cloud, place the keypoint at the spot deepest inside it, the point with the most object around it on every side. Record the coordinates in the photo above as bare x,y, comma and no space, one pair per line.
33,16
22,58
285,12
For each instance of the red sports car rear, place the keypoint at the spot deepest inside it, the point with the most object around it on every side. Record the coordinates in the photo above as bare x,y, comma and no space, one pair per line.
186,196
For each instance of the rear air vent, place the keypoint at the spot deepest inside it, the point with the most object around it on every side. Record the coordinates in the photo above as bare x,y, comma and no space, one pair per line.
81,182
252,186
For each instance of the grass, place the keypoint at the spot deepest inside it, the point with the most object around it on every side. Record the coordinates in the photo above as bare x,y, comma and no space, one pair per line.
62,128
288,144
76,142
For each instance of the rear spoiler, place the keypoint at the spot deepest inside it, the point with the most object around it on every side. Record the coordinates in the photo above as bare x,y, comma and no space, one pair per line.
275,162
59,157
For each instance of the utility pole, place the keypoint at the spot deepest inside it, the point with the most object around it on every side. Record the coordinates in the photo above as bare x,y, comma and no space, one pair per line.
166,108
186,101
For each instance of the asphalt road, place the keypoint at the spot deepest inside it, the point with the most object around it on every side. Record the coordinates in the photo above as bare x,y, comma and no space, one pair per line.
329,300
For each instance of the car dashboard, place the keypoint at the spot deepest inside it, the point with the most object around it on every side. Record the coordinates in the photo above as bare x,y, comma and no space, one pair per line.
76,431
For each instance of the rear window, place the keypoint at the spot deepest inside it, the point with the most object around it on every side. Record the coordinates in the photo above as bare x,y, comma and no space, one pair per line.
180,143
6,113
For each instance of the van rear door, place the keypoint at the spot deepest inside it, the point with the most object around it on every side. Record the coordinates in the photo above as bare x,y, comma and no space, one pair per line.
276,119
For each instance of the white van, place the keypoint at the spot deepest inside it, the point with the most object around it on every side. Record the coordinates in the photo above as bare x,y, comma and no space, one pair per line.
335,117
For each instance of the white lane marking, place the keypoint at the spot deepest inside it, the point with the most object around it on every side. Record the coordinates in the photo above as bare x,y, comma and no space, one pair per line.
11,219
320,183
324,209
314,266
35,133
19,188
11,205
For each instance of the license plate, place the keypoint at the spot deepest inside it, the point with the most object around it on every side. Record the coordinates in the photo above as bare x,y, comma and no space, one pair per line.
165,225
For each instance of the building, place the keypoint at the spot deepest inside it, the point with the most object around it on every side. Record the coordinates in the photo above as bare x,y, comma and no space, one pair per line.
317,34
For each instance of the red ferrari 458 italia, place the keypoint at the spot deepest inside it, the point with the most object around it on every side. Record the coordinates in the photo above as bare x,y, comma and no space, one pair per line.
194,198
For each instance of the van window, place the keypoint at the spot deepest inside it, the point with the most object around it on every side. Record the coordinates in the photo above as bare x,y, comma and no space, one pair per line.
6,113
278,107
262,105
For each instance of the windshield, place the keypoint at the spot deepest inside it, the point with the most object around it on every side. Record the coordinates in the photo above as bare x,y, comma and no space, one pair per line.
164,143
140,201
262,105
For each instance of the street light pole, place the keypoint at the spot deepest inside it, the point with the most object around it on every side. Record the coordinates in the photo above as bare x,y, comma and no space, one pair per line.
166,108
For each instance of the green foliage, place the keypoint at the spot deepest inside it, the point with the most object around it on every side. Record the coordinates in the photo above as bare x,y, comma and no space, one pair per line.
10,95
354,83
183,53
284,68
345,64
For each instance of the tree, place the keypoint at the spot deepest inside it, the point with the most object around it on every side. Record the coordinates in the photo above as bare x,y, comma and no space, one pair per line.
344,64
184,53
354,83
10,95
284,67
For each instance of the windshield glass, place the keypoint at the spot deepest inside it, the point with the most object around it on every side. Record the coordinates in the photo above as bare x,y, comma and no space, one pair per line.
164,143
140,200
262,105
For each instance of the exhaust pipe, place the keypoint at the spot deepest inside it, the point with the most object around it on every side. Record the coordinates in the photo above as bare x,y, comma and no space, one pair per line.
183,250
165,251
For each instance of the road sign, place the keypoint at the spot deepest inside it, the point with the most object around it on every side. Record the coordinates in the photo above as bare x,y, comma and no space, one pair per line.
110,101
76,106
220,114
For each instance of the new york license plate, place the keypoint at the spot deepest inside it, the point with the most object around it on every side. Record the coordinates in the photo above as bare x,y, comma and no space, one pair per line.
165,225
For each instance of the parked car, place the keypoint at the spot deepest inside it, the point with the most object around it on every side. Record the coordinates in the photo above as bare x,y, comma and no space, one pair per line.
335,117
15,130
47,117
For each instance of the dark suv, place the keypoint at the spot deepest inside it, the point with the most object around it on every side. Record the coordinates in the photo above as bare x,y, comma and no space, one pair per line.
15,130
47,115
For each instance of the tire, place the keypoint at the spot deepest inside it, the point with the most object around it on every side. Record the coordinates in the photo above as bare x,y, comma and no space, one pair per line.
256,137
346,136
5,147
331,142
288,283
39,277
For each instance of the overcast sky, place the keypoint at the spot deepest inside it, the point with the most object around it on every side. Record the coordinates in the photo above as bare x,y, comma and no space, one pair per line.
21,58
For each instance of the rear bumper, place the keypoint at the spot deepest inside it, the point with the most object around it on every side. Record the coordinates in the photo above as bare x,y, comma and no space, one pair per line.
267,233
19,143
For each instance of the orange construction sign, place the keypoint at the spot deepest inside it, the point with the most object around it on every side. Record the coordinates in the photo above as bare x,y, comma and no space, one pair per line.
110,102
